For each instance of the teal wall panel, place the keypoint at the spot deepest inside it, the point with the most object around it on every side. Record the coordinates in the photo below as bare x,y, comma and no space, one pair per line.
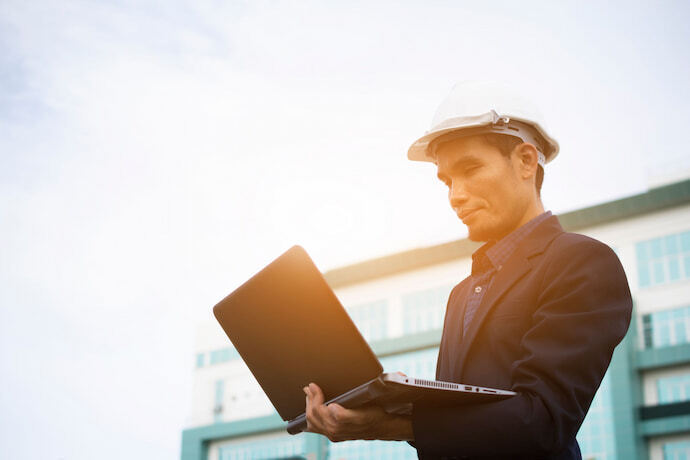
626,396
665,426
662,357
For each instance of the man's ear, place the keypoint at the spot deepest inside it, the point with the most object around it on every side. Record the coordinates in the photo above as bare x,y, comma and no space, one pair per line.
527,159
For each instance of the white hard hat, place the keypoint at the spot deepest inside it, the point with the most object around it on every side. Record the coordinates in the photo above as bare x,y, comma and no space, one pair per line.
474,108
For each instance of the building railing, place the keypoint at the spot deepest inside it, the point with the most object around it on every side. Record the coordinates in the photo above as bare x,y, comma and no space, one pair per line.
665,410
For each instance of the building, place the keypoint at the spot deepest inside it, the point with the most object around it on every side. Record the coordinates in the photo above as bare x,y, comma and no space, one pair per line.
642,410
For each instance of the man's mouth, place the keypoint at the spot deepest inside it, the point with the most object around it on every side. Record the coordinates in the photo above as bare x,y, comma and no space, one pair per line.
465,212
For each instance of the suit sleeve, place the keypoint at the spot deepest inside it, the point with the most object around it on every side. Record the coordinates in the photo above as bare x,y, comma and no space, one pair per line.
583,312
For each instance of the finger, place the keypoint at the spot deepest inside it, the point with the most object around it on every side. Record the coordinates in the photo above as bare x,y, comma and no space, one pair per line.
306,407
355,417
341,415
307,400
309,411
351,423
323,418
316,412
311,403
317,395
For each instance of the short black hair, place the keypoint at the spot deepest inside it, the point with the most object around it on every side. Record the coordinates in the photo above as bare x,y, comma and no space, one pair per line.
506,144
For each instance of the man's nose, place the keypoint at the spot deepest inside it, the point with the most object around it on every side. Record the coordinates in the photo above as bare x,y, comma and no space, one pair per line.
457,195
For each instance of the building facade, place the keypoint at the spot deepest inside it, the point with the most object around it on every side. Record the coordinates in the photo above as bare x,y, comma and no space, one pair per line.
641,411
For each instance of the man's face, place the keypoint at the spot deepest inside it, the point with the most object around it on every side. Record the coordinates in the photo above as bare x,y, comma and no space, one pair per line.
484,187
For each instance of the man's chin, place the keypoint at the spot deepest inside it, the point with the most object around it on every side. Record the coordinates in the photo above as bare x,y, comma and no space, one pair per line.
476,234
481,234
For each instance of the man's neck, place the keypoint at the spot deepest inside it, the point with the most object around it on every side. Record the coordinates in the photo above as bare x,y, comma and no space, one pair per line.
533,211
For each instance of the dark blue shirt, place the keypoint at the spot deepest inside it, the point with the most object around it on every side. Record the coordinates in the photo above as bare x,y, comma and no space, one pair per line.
488,259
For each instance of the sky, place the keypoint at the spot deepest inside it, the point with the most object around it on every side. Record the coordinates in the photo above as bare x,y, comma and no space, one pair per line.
155,155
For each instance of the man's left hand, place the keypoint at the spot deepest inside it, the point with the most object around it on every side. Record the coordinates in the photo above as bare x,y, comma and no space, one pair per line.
340,424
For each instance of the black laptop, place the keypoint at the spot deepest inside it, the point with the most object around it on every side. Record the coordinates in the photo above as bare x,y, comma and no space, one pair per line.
290,329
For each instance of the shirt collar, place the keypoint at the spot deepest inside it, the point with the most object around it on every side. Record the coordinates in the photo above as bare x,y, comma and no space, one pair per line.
494,254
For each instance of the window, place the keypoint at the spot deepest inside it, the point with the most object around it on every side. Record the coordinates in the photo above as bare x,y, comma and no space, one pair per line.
666,328
663,260
200,360
673,389
647,331
679,450
371,319
424,310
223,355
286,446
366,450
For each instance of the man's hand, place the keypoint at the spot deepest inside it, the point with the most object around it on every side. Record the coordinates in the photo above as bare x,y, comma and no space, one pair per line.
340,424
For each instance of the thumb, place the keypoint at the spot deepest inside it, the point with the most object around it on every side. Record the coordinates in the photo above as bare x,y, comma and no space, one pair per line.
317,395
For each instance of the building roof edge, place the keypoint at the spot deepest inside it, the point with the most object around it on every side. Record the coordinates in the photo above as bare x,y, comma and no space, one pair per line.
655,199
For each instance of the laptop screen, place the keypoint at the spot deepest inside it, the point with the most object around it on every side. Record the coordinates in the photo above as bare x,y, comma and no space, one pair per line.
290,329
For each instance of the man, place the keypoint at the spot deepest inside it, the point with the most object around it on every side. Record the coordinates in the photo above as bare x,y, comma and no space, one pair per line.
540,314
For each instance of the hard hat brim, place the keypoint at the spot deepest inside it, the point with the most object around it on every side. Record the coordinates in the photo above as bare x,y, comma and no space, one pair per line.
419,150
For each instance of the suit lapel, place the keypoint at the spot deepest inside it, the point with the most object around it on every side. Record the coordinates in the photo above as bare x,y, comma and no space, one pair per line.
510,273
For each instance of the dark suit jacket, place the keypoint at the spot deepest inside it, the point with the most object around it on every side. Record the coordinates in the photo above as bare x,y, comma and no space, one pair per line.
546,328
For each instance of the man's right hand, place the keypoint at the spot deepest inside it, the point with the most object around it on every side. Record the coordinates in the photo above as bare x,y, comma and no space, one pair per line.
340,424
